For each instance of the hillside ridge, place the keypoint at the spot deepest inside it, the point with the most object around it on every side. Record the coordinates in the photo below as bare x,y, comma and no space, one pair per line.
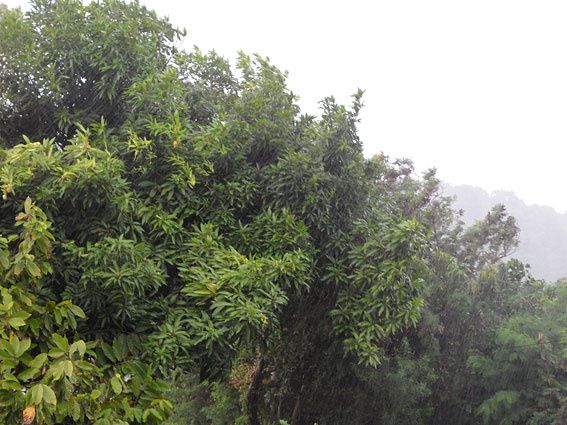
543,230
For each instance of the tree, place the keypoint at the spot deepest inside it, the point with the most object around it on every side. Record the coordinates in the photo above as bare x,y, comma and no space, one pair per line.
64,62
525,374
47,370
189,224
195,213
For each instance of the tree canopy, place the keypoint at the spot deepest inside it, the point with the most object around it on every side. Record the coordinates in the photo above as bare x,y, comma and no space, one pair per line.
179,241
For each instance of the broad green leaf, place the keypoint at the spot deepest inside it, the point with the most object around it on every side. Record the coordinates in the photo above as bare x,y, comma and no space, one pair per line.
57,370
61,342
108,352
78,346
4,259
49,395
74,409
68,366
36,394
77,311
14,345
116,385
28,374
19,319
33,269
120,348
38,361
24,346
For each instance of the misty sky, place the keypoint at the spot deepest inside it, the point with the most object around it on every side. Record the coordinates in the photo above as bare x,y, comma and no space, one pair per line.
477,89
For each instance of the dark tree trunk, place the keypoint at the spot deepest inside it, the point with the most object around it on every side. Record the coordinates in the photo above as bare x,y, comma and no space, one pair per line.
255,391
296,415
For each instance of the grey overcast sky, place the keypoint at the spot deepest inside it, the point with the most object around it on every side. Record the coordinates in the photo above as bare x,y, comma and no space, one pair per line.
477,89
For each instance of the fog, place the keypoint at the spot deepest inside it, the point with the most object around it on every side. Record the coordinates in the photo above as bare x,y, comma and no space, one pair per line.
476,89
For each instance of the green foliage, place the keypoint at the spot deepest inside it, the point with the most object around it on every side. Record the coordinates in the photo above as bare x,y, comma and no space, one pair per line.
188,223
45,366
383,295
191,205
204,403
65,62
111,277
527,369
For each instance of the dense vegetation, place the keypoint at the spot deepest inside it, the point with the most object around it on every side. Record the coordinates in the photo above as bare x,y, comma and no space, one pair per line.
180,245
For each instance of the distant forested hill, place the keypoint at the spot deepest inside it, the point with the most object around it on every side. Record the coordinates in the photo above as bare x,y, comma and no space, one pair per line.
543,237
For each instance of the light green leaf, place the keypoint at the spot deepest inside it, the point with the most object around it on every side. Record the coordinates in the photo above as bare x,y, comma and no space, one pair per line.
61,342
36,394
38,361
68,367
77,311
116,385
33,269
24,346
78,346
19,319
49,395
58,370
74,409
